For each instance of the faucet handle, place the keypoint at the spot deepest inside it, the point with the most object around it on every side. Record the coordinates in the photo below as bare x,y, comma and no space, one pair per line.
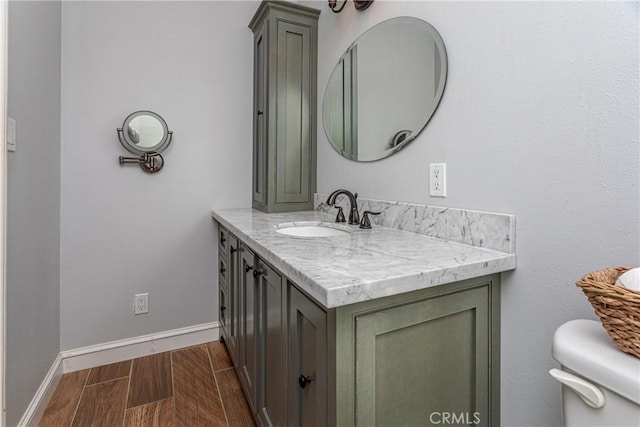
340,216
365,223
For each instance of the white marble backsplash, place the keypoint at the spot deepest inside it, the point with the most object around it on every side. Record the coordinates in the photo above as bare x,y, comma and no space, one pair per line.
488,230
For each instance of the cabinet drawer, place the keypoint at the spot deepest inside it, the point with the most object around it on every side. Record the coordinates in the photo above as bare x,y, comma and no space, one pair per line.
223,271
223,241
225,311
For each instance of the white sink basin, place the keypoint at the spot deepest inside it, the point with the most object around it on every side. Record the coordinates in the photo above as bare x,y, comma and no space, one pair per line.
311,229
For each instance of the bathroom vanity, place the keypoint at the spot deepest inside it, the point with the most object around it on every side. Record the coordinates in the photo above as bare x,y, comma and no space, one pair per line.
336,325
367,327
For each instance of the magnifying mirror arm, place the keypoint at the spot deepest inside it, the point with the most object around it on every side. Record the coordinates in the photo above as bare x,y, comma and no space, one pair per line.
149,162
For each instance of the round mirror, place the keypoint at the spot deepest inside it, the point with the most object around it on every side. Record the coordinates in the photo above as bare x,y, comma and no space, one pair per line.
145,132
384,89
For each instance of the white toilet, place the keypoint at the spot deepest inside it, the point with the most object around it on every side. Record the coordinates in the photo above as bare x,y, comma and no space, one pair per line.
601,384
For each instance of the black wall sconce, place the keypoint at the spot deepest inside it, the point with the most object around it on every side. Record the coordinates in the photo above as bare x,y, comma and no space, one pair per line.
359,4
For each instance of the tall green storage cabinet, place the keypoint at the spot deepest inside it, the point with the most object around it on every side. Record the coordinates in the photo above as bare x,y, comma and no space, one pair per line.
284,106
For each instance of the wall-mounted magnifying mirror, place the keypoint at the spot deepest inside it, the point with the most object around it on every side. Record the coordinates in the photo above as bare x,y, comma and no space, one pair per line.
146,134
384,89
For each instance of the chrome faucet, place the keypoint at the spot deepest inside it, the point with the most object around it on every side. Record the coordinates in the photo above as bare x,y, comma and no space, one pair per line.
354,217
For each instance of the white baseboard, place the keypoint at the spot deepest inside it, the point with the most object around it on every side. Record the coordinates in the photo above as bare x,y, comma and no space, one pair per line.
131,348
35,410
112,352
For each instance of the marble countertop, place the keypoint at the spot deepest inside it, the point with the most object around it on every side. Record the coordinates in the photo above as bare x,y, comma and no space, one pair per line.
363,264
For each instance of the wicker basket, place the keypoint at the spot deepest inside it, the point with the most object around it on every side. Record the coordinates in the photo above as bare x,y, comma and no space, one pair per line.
618,308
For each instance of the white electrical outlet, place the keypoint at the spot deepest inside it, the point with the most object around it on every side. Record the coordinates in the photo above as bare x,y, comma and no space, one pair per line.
141,303
438,179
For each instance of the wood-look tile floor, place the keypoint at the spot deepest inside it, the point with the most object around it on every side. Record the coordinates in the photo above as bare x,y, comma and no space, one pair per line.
194,386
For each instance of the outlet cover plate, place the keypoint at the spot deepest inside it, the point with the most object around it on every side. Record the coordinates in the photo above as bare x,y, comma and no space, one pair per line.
438,179
141,303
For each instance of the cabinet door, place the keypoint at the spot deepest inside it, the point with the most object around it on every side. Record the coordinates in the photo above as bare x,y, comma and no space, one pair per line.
223,299
419,360
307,376
228,282
260,117
248,333
295,161
232,303
222,241
224,314
272,396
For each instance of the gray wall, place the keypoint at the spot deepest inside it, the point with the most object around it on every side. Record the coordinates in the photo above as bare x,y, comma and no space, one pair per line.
123,231
540,119
33,192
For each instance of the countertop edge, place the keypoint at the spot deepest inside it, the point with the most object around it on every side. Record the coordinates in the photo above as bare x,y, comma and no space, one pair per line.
369,290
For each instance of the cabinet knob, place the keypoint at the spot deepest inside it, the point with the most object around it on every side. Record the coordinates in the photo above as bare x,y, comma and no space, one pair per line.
232,250
248,268
260,112
303,381
222,308
256,274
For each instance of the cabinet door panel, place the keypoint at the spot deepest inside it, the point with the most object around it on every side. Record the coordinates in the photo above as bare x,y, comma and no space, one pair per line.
233,281
307,358
260,115
247,337
223,271
224,312
272,397
222,241
293,127
424,358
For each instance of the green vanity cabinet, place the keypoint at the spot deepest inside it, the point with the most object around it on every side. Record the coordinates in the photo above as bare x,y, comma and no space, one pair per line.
284,111
415,358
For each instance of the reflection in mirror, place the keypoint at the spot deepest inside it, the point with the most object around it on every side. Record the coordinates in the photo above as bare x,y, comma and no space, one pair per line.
145,133
384,89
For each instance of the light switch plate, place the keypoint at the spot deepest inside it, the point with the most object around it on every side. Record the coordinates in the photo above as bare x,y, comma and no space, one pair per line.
11,135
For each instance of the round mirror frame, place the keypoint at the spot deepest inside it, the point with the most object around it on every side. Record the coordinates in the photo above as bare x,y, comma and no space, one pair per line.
132,146
402,138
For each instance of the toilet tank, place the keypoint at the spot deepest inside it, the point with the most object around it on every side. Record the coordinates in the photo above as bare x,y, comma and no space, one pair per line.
601,384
